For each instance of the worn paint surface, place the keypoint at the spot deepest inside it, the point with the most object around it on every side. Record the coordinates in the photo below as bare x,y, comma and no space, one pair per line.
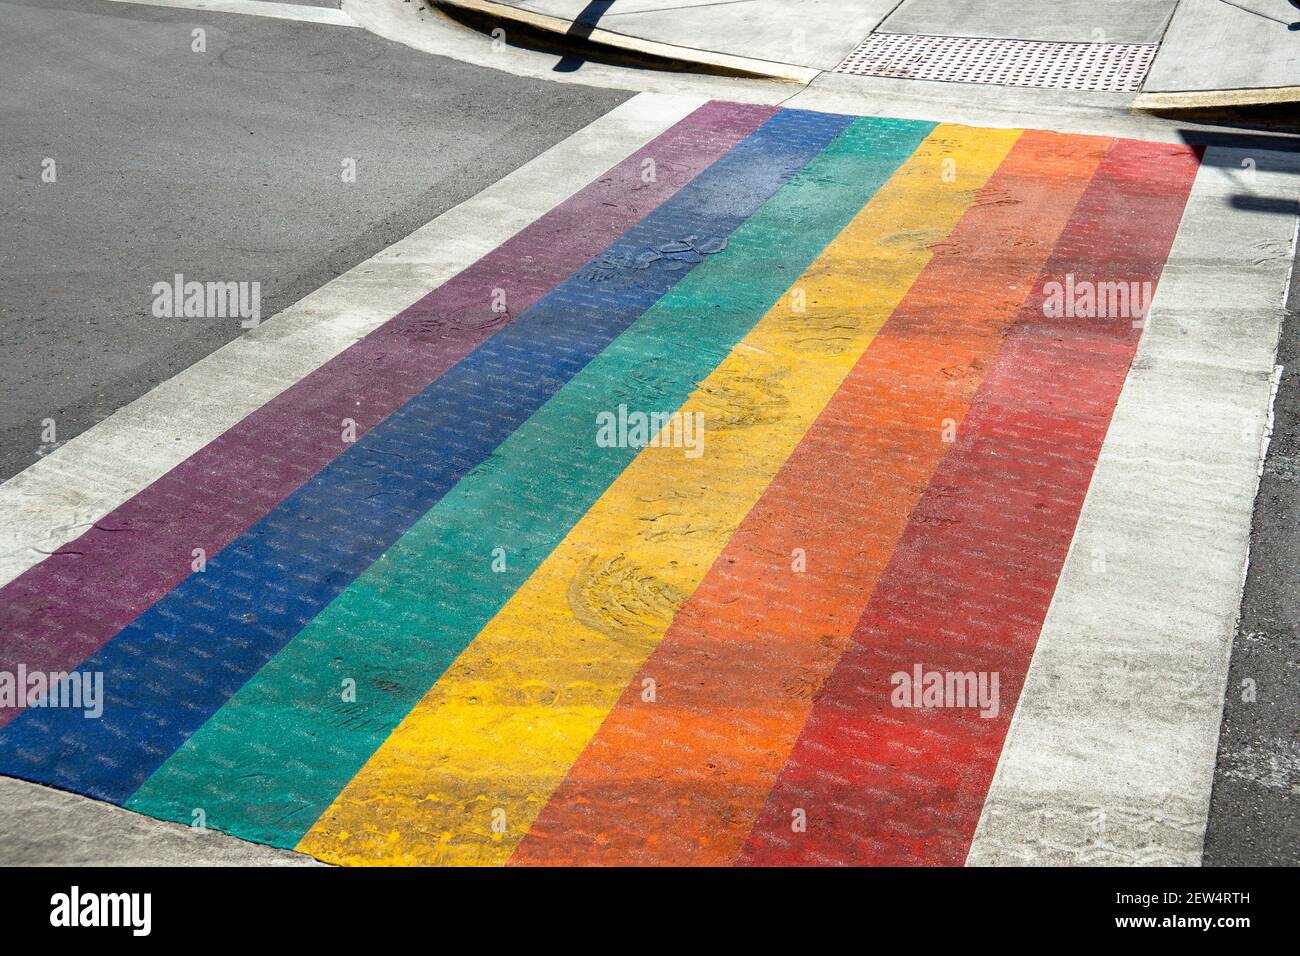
735,676
475,636
579,629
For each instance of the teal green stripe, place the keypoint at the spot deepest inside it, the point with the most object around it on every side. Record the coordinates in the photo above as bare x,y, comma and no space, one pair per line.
274,757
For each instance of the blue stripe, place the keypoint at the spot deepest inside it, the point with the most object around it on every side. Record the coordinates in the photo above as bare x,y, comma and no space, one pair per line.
167,672
277,754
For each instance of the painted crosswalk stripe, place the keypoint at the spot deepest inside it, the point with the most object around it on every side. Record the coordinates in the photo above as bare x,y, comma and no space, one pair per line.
1110,755
58,498
681,779
401,624
173,666
477,635
879,779
61,611
466,773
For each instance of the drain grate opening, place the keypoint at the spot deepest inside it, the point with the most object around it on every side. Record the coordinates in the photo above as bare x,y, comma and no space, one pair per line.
1099,67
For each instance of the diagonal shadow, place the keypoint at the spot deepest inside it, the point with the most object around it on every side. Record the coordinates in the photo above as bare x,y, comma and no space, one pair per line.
1264,145
583,25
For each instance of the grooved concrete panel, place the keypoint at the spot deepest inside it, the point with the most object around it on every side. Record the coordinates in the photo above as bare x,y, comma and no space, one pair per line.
1076,21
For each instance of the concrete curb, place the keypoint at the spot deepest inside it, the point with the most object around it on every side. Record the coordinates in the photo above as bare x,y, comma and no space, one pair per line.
1203,99
684,58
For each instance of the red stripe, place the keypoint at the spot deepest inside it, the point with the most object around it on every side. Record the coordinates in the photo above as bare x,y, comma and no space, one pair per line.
681,780
971,579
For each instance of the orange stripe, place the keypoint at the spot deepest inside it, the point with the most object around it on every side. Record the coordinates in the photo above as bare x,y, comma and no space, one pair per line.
681,779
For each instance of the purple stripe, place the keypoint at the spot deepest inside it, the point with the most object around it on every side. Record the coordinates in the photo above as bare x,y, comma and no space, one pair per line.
64,609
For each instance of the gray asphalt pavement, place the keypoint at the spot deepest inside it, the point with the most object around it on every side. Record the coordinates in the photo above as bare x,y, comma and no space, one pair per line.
226,165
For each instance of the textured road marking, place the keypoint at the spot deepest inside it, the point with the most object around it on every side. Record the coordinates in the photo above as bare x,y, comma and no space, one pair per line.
1111,752
258,8
67,607
680,780
968,586
280,751
60,497
173,666
500,729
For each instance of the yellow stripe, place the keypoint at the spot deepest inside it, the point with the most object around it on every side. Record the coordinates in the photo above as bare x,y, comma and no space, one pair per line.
464,775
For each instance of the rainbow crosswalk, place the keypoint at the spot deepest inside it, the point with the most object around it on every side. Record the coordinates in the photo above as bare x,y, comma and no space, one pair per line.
409,610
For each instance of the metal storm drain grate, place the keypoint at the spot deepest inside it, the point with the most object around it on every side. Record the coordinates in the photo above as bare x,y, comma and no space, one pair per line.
1105,67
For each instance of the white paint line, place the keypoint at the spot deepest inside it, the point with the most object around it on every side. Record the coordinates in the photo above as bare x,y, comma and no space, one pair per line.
1266,438
56,499
1290,276
258,8
1111,752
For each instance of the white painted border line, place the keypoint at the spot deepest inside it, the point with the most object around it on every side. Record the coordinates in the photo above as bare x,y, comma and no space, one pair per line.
258,8
1110,755
60,496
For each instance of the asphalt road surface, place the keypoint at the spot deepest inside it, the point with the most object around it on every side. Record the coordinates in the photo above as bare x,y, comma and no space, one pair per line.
221,165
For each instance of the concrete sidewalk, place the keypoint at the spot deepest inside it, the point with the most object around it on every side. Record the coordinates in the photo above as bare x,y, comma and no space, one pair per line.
1210,52
814,35
1217,53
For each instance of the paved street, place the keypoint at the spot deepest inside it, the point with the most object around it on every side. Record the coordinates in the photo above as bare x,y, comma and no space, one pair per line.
619,478
221,165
